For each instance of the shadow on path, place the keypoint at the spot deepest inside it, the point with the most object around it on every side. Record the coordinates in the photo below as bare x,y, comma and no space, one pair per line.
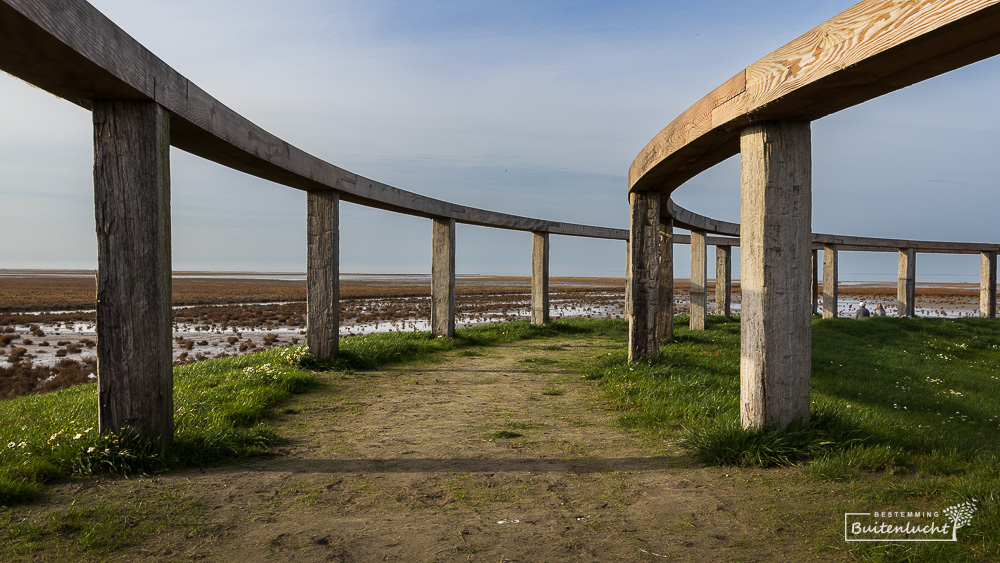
464,465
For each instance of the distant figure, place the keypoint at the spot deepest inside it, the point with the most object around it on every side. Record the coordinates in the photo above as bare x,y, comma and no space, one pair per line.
879,310
862,312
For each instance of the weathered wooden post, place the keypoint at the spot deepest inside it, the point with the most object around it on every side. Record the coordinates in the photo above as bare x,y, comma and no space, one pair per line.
323,273
775,244
665,318
906,286
132,208
539,278
815,282
443,278
699,280
642,279
830,281
988,284
723,280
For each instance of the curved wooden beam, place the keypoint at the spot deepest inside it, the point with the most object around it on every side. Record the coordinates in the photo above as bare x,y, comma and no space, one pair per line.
72,50
687,219
870,49
690,220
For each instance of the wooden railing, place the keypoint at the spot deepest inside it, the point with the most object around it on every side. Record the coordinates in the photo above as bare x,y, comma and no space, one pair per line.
831,245
764,114
141,107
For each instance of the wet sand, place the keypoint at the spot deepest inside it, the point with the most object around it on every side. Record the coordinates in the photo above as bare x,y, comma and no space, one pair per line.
48,338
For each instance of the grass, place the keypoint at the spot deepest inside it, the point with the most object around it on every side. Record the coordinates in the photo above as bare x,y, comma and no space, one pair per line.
221,411
890,396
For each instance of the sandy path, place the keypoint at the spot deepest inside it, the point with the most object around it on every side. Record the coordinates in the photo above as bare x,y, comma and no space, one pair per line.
405,465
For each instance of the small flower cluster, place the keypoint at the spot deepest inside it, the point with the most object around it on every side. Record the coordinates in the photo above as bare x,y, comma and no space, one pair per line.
64,434
264,371
293,355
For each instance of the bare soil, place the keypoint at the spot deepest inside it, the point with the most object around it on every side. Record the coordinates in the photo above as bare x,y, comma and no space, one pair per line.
494,454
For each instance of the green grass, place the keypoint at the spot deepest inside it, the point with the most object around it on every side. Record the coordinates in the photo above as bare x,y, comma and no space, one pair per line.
96,530
220,412
372,350
890,396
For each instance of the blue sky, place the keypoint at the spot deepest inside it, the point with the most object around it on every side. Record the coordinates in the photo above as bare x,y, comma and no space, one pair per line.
533,108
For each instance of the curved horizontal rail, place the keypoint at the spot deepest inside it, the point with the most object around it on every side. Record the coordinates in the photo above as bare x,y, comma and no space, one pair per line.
690,220
70,49
870,49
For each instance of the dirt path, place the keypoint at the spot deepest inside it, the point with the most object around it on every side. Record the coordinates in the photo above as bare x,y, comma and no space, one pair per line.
496,454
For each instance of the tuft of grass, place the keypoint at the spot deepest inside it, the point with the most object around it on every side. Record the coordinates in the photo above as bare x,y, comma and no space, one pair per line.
554,391
503,435
728,443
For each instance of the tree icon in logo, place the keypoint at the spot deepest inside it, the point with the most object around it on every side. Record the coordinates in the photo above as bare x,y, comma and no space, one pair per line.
961,515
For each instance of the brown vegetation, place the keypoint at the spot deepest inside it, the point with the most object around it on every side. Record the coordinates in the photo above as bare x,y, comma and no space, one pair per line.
25,378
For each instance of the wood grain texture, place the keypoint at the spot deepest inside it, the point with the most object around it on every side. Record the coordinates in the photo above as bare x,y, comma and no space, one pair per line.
323,274
907,283
699,281
831,280
70,49
539,278
815,282
665,318
775,268
642,278
693,221
443,278
988,285
870,49
132,208
724,281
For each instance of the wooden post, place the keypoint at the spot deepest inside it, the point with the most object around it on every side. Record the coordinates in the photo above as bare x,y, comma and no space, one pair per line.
323,273
723,280
665,318
132,208
830,281
815,282
642,279
988,284
699,280
775,245
443,278
539,278
906,287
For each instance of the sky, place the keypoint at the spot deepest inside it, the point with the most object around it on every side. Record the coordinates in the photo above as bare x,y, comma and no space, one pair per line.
525,107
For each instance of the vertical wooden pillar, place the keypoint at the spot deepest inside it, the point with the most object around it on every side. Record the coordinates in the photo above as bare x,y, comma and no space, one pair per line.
815,282
723,280
988,284
831,279
539,278
906,287
642,279
665,318
443,278
699,280
132,208
775,245
323,273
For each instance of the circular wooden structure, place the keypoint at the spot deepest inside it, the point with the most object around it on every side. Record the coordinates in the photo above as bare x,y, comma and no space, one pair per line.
764,114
